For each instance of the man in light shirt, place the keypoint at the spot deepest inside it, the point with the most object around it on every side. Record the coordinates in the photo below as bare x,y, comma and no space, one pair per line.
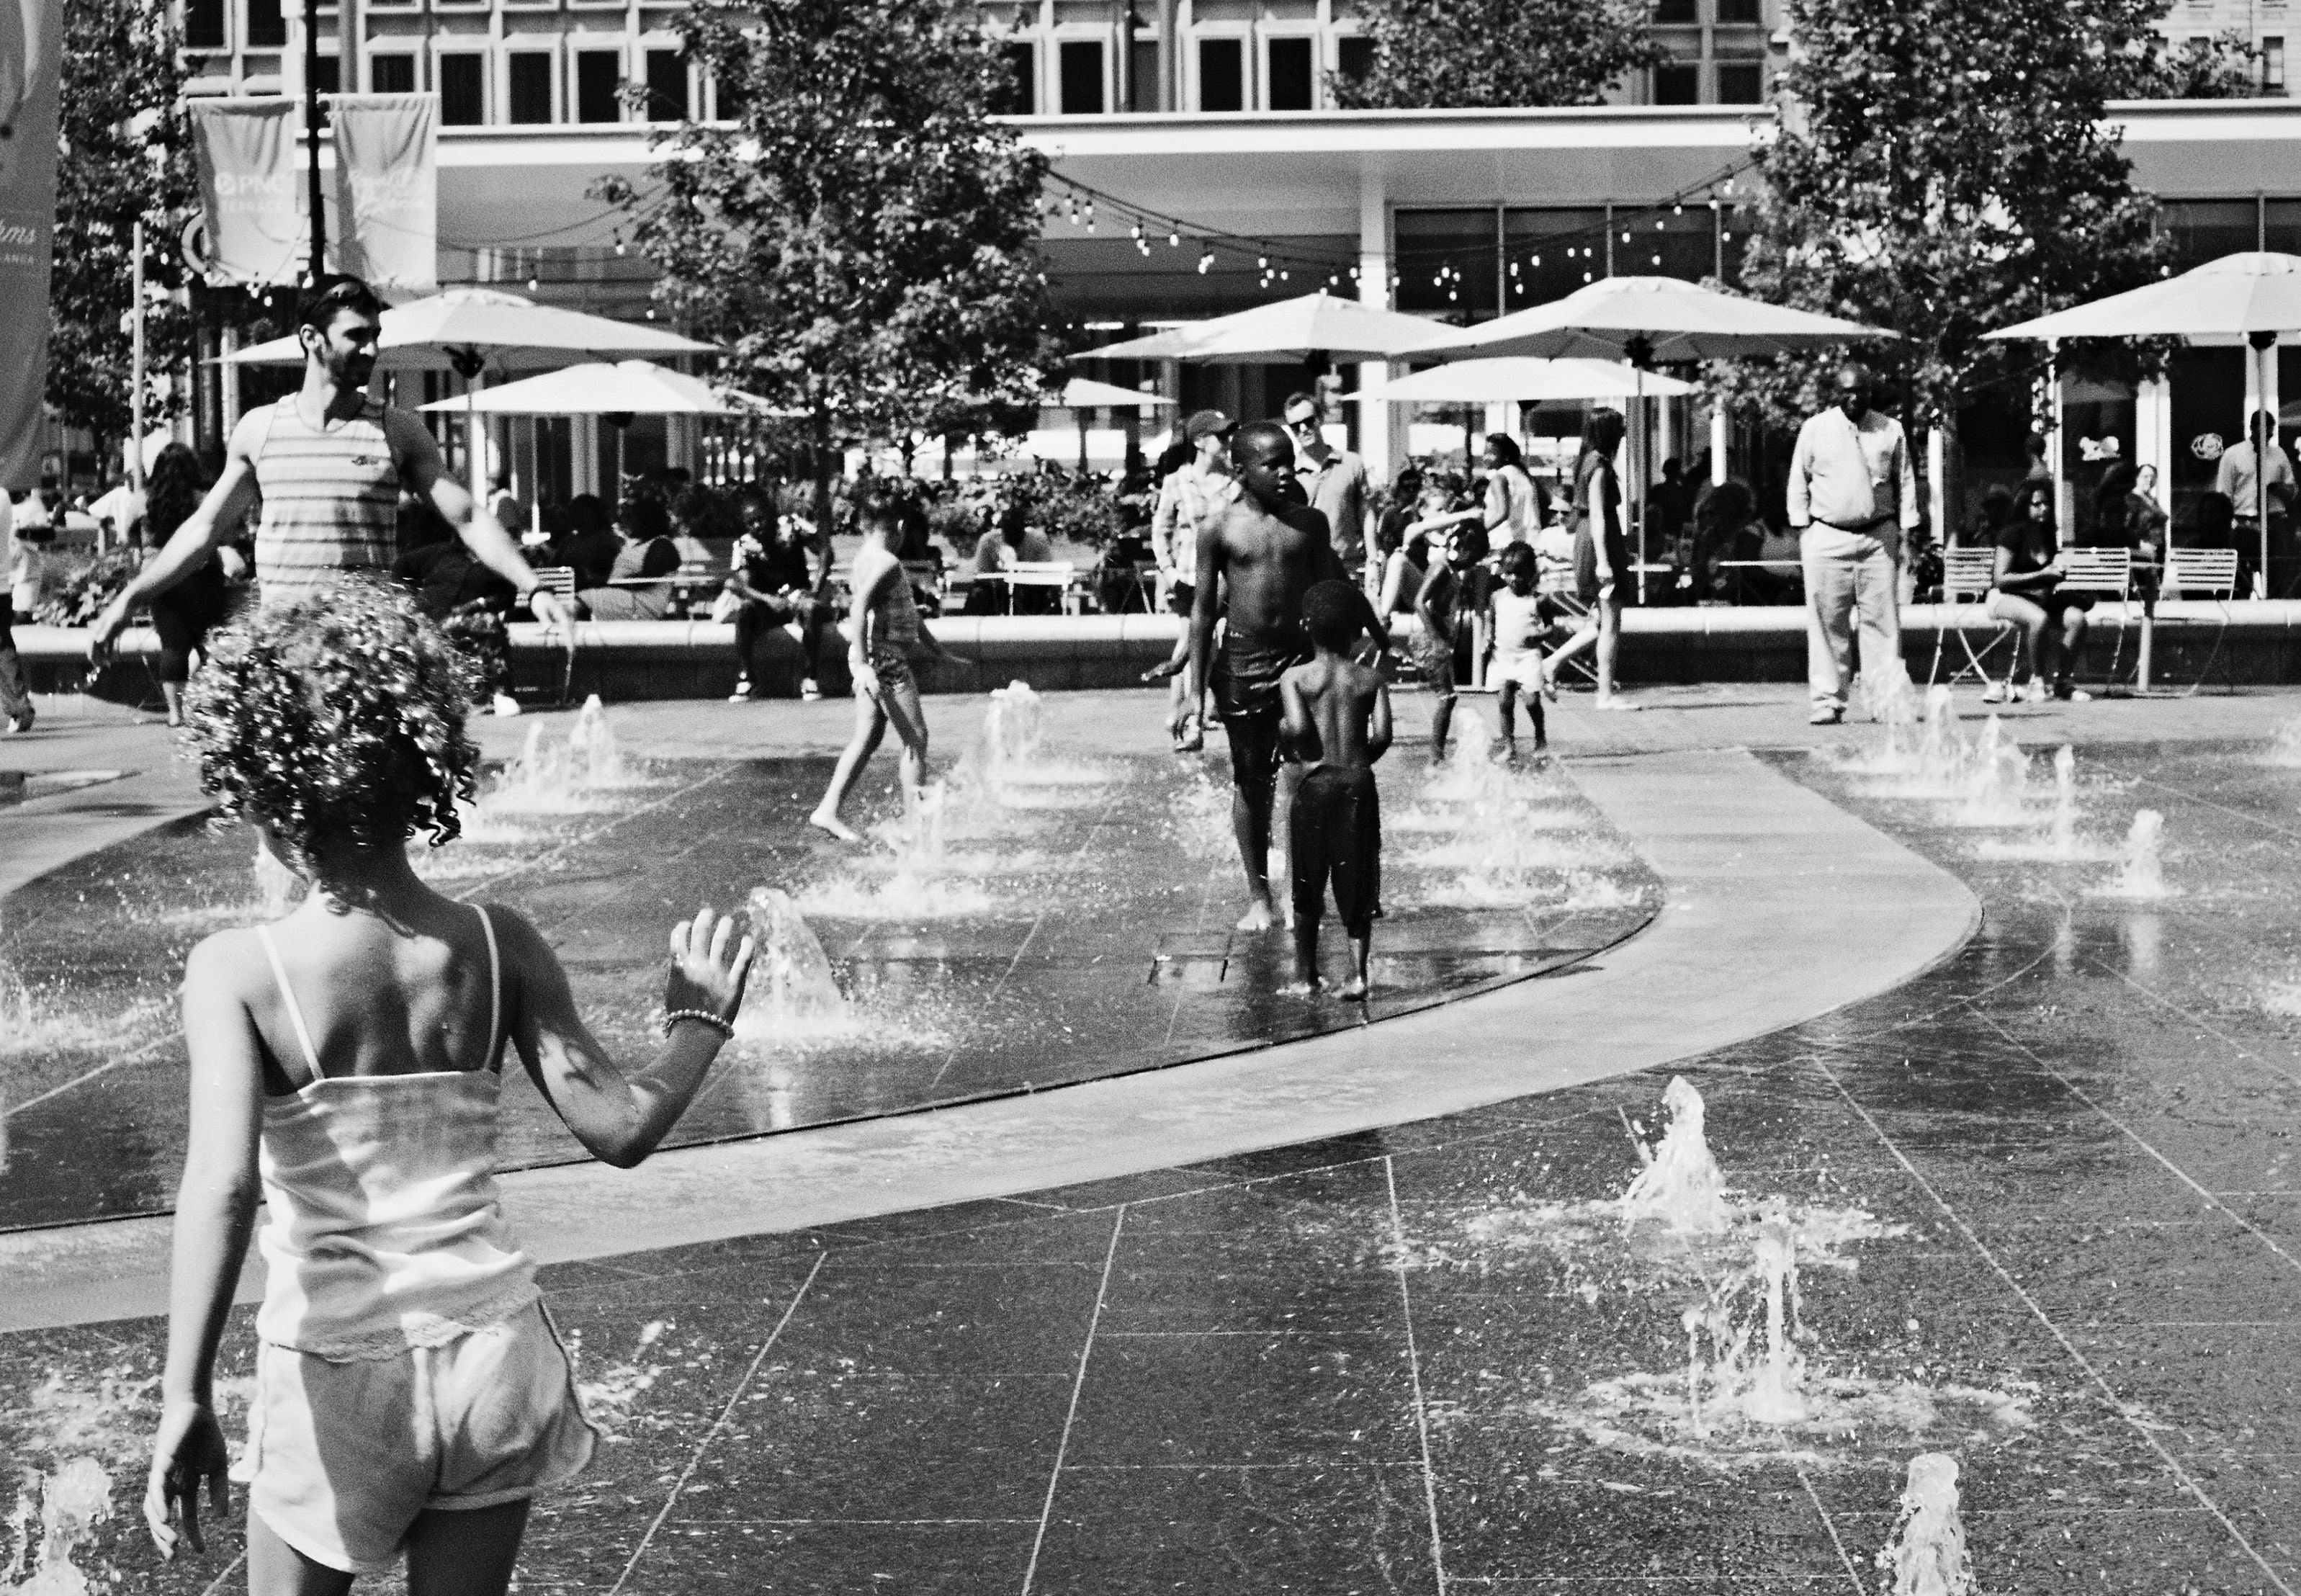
2244,468
1334,480
1852,494
1192,498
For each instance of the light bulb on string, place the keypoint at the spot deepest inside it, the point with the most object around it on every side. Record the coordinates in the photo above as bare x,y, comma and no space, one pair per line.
1657,260
1537,260
1262,262
1658,224
1626,238
1585,276
1677,210
1206,263
534,284
1282,275
1174,240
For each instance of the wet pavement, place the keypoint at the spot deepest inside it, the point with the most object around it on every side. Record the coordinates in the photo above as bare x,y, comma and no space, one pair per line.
1423,1358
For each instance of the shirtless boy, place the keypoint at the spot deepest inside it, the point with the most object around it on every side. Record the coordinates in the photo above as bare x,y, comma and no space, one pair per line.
1336,721
1255,562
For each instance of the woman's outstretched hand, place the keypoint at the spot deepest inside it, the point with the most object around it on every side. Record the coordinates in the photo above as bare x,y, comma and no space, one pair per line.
189,1452
706,972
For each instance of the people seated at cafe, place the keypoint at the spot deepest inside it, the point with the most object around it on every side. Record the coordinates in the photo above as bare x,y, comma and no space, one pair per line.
648,552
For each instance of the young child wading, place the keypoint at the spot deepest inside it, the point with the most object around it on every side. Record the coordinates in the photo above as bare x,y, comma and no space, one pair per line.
411,1393
1337,722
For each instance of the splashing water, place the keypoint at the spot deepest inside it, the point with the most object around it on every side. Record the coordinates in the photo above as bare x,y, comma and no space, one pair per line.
1014,725
1012,757
791,994
595,756
2060,844
1926,1555
1681,1184
65,1508
2285,747
2142,874
1996,780
571,777
611,1399
1199,812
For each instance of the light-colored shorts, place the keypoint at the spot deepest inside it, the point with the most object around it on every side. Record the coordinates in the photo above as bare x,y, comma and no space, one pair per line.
346,1455
1521,666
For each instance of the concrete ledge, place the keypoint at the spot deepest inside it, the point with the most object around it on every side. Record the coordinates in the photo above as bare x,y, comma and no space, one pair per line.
2250,643
1781,907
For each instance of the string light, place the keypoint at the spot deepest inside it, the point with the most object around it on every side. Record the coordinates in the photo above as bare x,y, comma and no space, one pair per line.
1206,263
1174,240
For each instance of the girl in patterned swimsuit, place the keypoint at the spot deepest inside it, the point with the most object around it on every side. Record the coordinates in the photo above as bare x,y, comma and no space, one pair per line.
885,628
412,1396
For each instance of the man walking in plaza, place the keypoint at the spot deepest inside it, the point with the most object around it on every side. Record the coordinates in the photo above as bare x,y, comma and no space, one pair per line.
1335,481
329,464
2246,470
1193,496
1255,562
1852,494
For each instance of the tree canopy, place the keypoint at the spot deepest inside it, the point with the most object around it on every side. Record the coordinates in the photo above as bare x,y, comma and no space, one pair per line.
862,240
1435,53
125,156
1944,169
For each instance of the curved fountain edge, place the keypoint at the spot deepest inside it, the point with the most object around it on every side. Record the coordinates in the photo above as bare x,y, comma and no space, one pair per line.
1781,907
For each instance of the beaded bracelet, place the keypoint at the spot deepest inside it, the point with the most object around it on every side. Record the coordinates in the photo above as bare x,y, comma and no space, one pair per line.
725,1030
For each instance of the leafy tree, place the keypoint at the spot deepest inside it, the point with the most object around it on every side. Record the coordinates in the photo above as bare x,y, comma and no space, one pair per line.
125,156
1432,54
1944,169
2226,67
863,240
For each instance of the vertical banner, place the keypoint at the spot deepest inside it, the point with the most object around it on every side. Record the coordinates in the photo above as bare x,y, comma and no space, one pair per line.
31,37
386,224
251,186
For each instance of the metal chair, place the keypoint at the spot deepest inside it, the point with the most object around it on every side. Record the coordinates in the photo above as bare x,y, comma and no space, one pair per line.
2209,573
1057,574
1968,574
2105,574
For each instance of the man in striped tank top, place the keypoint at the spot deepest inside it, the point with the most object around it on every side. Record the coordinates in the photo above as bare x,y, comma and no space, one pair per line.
329,464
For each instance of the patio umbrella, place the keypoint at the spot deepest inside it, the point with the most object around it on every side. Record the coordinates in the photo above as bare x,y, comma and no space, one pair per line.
596,388
1083,394
462,330
2244,298
1316,326
1659,320
1526,378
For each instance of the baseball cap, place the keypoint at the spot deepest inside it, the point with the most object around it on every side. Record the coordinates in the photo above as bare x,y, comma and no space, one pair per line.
1206,422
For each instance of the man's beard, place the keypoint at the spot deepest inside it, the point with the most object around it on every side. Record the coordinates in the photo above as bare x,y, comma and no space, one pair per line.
351,371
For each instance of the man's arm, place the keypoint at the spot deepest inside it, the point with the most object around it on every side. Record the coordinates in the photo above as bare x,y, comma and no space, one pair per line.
2225,476
483,535
1203,602
203,531
1378,741
1797,495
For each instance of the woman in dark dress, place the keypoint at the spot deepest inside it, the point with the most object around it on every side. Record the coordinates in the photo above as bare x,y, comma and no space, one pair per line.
2028,593
186,613
1601,556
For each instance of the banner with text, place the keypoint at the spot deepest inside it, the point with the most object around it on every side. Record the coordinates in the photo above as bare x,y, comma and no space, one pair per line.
385,220
31,35
251,186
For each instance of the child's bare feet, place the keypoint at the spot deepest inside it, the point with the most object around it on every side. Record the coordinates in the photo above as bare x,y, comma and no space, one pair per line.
1257,917
1301,989
1354,991
827,820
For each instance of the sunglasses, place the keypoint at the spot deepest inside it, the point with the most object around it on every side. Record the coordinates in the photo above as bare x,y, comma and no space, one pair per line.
1309,423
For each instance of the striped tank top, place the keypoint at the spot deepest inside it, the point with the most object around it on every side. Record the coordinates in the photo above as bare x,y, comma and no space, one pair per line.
331,500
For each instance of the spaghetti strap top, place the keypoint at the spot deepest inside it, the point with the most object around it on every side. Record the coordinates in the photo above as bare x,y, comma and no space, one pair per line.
385,1227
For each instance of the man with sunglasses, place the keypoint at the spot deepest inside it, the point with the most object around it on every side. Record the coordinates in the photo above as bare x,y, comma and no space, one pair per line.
1335,481
329,464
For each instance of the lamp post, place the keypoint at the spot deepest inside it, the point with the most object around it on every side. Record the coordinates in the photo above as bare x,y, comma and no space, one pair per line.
312,138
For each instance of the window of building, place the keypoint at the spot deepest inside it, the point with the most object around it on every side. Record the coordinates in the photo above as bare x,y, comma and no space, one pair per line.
666,81
1740,11
267,28
1678,83
1290,84
463,89
391,74
1222,74
1447,261
730,95
1353,57
1142,76
1019,95
1741,82
1675,12
1080,67
204,25
326,75
599,76
1547,254
2272,64
527,75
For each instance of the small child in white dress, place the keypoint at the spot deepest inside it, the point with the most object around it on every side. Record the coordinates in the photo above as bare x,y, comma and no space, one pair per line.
412,1396
1523,620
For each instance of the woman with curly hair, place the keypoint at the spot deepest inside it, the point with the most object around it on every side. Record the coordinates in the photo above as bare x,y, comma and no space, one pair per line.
184,614
412,1396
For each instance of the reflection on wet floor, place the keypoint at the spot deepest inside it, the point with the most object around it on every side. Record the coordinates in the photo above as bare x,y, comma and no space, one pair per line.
1039,919
2040,1207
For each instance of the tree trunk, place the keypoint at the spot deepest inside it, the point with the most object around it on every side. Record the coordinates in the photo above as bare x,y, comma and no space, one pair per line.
822,469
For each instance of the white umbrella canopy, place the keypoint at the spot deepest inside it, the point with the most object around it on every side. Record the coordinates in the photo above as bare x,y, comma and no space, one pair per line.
1508,378
1085,393
1665,320
2225,301
509,331
1318,324
600,388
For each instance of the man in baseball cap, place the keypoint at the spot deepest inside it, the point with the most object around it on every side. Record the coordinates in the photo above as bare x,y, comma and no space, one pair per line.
1208,423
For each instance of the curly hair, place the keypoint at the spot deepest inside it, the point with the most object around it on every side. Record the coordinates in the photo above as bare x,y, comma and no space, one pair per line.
172,491
337,717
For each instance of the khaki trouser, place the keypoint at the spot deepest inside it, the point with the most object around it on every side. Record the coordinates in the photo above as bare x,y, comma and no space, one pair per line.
1851,576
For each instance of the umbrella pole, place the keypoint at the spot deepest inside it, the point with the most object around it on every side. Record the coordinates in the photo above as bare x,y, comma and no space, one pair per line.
2264,345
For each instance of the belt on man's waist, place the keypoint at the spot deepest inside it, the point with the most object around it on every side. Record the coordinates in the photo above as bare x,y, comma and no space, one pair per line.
1860,526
